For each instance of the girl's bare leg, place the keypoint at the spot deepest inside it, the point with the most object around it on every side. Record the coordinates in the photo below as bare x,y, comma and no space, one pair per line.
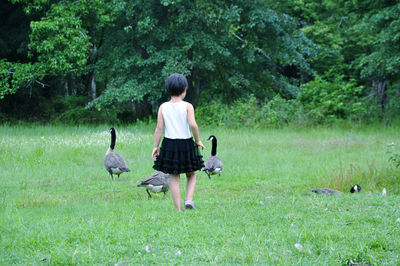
190,185
174,183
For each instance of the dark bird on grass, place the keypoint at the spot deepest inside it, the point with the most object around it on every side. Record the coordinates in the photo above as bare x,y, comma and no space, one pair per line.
353,263
157,182
355,188
213,164
113,162
327,191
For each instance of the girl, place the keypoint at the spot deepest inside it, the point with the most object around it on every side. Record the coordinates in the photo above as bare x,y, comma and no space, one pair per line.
178,153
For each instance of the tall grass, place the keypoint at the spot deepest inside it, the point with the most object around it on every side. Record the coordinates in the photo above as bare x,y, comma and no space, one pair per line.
58,205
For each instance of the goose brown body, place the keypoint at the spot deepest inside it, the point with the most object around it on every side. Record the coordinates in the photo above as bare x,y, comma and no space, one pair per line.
114,163
213,164
157,182
327,191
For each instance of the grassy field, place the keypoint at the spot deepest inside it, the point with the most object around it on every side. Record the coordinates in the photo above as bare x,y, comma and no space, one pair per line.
58,205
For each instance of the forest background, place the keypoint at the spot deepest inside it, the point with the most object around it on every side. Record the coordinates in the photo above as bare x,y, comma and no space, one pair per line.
248,62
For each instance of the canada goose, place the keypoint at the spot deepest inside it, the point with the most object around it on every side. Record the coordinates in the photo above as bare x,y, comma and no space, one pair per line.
157,182
355,188
327,191
114,162
213,163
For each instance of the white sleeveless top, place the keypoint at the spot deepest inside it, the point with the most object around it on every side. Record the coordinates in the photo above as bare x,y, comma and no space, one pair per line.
176,120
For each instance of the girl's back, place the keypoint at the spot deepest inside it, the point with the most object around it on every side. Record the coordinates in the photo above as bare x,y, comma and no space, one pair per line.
176,120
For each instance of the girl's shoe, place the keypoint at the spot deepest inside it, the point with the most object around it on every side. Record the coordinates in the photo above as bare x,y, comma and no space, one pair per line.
189,204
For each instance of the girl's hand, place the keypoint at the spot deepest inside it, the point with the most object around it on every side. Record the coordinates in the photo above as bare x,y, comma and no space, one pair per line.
155,153
199,143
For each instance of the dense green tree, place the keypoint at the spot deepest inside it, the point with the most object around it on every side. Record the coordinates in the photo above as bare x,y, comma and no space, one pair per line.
15,69
228,50
358,41
380,64
113,56
63,39
67,37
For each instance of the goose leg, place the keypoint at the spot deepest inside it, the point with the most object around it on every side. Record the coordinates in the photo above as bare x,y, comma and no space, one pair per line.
148,193
111,175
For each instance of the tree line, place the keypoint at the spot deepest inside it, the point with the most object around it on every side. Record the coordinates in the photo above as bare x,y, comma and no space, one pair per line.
106,60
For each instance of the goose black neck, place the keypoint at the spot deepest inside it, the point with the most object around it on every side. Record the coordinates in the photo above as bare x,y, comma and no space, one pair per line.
214,147
113,138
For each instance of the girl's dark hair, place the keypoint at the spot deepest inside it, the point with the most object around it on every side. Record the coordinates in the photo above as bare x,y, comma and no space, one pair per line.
175,84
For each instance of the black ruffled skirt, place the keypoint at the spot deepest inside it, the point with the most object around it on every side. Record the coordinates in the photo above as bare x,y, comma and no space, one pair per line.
178,156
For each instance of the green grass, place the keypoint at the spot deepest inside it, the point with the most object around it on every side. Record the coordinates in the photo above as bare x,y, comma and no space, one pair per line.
58,205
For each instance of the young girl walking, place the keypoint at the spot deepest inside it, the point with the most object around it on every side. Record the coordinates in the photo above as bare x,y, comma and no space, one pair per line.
178,153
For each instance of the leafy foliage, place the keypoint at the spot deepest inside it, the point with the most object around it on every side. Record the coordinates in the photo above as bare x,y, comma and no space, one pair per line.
59,41
242,113
316,60
16,75
329,100
383,59
281,112
251,113
394,154
204,45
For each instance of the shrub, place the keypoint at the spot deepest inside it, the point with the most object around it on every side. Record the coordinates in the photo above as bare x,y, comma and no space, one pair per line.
327,101
252,113
393,105
244,112
281,112
71,110
394,154
212,113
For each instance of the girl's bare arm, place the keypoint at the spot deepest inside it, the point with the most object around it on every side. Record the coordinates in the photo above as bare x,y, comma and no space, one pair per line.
193,126
158,133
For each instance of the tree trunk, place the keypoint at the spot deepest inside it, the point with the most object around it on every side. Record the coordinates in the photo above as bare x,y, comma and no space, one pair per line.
193,92
132,107
141,109
381,94
93,88
197,90
72,85
66,87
